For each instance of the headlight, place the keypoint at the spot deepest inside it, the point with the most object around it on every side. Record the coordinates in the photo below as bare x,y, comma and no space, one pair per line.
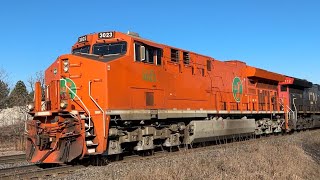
63,104
31,107
65,63
66,66
66,69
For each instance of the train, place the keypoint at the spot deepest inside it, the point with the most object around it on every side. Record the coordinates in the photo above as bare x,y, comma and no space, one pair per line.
119,93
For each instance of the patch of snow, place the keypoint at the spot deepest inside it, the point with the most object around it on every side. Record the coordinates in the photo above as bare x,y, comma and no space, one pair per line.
11,116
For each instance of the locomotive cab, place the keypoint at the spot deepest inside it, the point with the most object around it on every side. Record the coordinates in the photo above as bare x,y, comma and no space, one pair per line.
100,45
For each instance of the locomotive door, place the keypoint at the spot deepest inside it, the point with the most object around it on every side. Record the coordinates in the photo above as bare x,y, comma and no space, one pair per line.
147,98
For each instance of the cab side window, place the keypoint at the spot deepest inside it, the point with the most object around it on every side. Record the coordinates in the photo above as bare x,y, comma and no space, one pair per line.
159,55
186,58
147,54
209,65
174,55
137,52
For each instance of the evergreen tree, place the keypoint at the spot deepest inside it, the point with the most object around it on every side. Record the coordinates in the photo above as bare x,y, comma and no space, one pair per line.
19,95
4,94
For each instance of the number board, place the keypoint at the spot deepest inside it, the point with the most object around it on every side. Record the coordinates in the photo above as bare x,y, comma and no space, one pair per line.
82,39
105,35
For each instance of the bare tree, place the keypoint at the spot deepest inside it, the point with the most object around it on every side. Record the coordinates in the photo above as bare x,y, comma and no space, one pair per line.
37,77
3,75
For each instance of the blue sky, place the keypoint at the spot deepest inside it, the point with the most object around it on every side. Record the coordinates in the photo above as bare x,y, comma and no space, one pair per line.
280,36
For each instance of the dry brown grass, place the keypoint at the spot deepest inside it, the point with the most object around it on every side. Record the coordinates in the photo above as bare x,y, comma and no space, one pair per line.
291,157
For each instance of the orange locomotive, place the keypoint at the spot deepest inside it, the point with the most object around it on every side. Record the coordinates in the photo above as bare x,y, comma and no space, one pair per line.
120,93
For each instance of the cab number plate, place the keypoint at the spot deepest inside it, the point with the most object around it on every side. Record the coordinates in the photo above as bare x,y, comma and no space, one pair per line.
82,39
105,35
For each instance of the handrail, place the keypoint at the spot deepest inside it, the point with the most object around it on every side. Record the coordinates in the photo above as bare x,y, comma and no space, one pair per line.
289,109
295,108
103,112
65,83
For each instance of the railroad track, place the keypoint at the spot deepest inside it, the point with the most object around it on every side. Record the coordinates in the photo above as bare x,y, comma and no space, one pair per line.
12,159
13,170
31,171
35,172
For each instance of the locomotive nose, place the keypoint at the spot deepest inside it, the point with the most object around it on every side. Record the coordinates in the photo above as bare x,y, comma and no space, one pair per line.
57,142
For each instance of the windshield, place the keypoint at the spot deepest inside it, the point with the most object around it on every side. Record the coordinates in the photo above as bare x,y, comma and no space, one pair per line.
84,49
110,48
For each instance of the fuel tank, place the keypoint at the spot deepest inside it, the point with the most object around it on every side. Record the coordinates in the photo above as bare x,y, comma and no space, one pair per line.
209,130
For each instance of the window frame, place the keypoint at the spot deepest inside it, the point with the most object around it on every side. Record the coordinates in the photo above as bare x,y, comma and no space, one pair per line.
185,60
72,52
123,52
159,56
209,64
157,53
174,59
283,88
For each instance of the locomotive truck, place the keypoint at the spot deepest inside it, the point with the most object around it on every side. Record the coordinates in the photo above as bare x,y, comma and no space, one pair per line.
118,92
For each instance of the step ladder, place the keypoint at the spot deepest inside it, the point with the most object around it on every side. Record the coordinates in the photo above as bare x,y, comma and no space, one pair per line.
89,134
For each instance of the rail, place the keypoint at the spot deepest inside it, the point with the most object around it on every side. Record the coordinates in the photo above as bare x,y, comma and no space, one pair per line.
34,171
103,112
12,158
65,83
